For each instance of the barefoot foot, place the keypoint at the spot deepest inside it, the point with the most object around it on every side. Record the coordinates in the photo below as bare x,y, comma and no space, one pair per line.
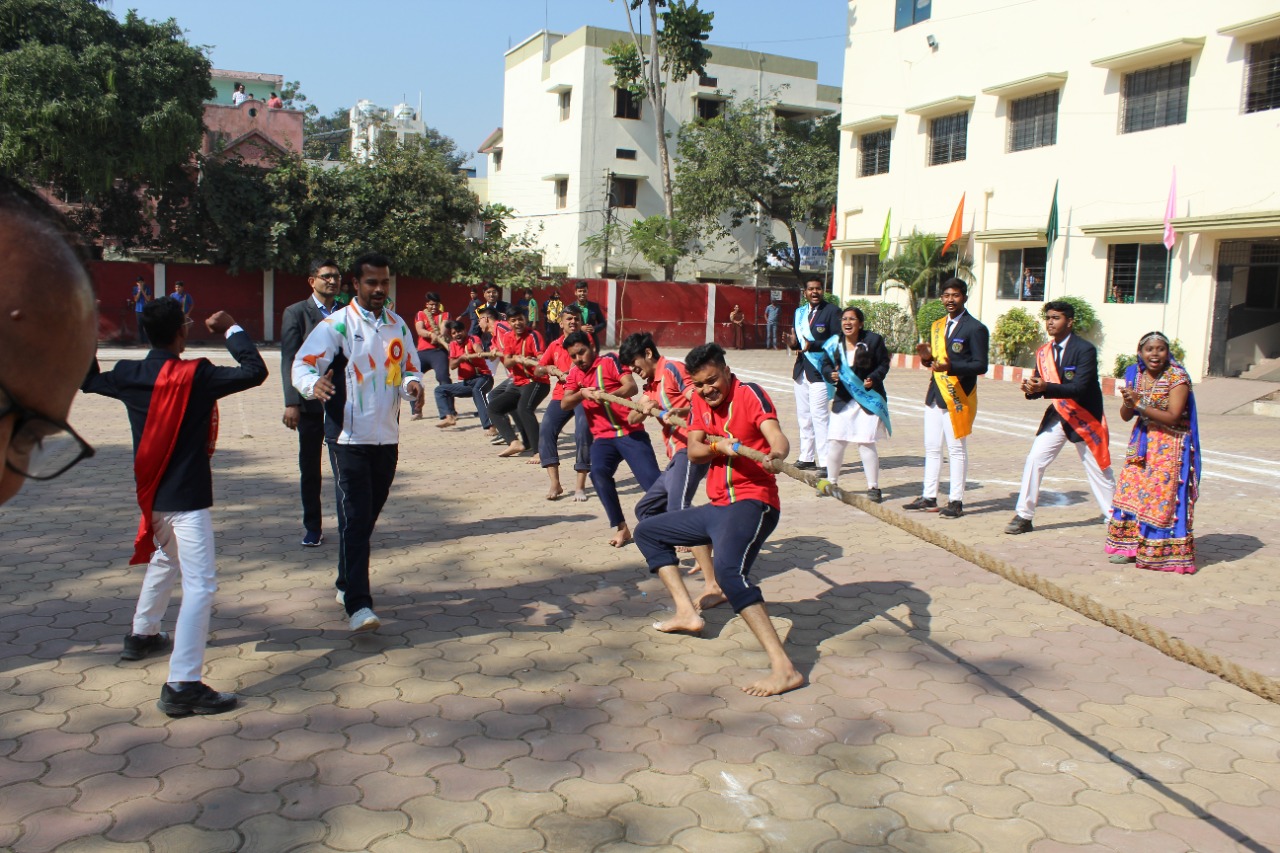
580,495
691,625
555,493
709,599
622,537
775,683
513,449
535,460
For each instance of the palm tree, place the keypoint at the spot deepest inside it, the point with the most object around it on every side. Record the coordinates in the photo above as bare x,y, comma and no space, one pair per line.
919,267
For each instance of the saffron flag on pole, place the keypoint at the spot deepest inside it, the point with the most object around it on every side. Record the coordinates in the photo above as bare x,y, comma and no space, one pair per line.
957,226
884,238
1170,208
1051,229
831,230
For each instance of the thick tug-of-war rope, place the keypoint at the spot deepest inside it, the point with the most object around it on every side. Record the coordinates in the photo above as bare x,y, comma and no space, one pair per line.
1174,647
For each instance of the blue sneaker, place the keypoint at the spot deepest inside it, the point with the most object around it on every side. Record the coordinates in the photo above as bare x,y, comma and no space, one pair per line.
313,539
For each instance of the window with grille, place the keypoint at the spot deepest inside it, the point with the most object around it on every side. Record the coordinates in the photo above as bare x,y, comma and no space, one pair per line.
626,105
1262,76
1022,274
704,80
625,153
1156,97
864,269
908,12
497,159
708,108
562,193
566,98
1033,121
1137,272
948,138
622,192
873,153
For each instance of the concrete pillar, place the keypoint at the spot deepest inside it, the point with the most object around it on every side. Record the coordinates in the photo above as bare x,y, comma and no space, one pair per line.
611,313
157,280
268,305
711,313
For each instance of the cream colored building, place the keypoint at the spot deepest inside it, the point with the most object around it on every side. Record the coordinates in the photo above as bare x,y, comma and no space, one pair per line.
570,143
997,101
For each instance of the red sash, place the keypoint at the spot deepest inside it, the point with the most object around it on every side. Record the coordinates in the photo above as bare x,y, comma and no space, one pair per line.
164,416
1091,431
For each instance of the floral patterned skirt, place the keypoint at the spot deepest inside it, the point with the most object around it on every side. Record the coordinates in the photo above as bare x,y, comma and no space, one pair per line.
1154,504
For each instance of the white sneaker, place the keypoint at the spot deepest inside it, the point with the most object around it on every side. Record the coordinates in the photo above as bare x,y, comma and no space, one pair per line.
341,598
364,619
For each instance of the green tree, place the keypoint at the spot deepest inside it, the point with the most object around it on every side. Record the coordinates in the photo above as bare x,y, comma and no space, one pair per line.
678,52
505,257
1016,335
919,267
751,166
326,137
98,108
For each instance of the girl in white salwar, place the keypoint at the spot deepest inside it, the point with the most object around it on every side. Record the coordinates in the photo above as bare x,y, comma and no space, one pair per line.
856,363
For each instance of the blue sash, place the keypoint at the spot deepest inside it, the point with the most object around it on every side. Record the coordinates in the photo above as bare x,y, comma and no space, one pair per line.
863,396
804,338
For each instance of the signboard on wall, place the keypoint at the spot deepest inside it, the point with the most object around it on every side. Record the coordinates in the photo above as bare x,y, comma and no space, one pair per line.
775,295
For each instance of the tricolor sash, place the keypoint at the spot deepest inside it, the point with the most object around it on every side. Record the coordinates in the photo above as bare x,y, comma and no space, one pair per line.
1091,431
962,406
168,405
862,395
804,337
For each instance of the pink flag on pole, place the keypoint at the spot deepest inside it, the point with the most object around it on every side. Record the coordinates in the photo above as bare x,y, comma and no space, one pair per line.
1170,209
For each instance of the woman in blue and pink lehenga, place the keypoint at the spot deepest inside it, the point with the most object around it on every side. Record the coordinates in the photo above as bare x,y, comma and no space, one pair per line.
1156,494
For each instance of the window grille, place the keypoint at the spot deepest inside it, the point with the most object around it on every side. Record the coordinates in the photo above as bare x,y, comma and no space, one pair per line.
625,153
1022,274
864,270
622,192
704,80
1137,272
1033,121
1155,97
1262,76
948,138
873,150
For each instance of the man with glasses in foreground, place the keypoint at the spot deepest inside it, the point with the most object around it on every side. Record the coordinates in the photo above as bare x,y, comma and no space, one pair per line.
48,329
172,404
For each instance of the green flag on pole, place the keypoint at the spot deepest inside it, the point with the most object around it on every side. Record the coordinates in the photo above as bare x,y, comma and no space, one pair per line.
884,238
1051,229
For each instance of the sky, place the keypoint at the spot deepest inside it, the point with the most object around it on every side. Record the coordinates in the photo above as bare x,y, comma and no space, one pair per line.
451,52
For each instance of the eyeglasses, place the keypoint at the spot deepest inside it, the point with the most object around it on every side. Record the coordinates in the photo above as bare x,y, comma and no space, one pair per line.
40,448
330,276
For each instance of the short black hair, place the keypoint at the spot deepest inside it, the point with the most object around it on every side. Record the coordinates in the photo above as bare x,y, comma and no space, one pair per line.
635,346
862,318
813,279
492,286
313,269
452,326
162,319
578,337
516,311
486,311
955,284
582,285
368,259
1066,309
179,283
432,296
700,356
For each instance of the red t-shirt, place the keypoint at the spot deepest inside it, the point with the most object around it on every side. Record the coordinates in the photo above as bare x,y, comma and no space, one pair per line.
471,367
435,322
606,420
669,388
555,355
528,346
733,479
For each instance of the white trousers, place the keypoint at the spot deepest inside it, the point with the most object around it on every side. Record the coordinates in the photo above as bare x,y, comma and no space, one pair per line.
184,546
813,415
937,426
1044,450
870,460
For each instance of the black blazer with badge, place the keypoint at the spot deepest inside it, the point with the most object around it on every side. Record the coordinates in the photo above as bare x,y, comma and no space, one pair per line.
1078,371
298,321
187,484
966,357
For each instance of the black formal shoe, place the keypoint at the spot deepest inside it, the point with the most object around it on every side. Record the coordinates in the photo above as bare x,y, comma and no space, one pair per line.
1018,525
194,697
953,509
922,503
313,539
806,466
874,496
137,646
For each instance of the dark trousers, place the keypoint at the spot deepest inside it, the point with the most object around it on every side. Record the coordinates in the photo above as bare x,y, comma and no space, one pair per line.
607,454
522,400
675,489
363,474
477,388
553,420
735,533
310,446
436,360
142,331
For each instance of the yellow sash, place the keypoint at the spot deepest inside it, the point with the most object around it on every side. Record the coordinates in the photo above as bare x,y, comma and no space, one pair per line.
962,407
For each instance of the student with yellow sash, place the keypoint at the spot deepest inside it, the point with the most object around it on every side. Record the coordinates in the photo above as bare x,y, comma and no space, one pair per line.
1067,375
957,354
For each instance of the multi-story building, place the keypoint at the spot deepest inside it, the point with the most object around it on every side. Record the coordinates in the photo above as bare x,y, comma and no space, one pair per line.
370,124
1001,101
250,130
574,151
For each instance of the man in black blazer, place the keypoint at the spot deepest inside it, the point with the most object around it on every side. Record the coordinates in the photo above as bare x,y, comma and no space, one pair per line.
307,416
172,413
1072,363
814,322
591,312
966,341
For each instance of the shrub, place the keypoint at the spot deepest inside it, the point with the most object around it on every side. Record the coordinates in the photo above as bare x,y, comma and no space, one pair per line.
1016,335
1176,349
929,313
1086,319
832,298
858,302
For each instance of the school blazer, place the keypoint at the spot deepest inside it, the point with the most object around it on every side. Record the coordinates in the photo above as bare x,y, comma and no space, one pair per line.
298,321
879,366
1079,358
967,364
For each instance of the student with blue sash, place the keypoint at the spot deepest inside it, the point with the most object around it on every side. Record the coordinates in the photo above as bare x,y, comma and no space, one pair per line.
815,322
856,362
